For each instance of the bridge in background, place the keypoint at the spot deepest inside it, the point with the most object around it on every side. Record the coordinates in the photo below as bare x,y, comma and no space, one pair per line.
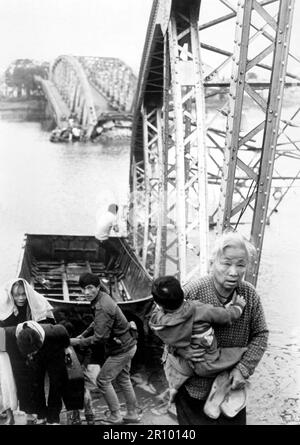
183,150
90,87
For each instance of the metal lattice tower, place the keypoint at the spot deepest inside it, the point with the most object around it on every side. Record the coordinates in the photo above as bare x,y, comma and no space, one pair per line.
185,146
170,126
261,170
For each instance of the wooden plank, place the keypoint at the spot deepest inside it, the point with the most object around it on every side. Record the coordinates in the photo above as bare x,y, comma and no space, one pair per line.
65,284
127,294
71,249
88,266
113,289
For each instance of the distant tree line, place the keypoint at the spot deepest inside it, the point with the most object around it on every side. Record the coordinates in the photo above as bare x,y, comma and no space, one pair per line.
20,76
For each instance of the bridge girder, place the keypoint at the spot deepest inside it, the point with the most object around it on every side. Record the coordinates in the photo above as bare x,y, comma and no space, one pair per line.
258,194
91,87
170,127
180,146
69,78
113,78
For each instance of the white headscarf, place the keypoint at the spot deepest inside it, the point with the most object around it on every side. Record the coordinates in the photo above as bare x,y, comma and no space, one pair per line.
40,308
33,325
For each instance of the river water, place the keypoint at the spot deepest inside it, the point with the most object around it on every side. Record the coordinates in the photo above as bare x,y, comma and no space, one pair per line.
57,189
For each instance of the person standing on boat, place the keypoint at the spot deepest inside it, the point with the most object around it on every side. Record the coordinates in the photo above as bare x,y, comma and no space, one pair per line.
111,328
20,302
230,258
106,222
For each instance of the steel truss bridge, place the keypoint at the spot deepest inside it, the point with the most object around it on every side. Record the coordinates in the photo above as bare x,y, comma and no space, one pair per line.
186,148
90,87
196,161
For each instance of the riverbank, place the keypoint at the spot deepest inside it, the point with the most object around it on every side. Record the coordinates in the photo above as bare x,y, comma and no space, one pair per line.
19,109
149,387
40,201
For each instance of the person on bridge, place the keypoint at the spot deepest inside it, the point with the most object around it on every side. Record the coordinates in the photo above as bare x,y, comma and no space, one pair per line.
181,323
111,328
106,222
229,260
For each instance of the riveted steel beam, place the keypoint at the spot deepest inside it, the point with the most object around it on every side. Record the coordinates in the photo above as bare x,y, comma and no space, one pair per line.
67,74
238,163
175,192
113,79
174,81
282,40
90,86
236,97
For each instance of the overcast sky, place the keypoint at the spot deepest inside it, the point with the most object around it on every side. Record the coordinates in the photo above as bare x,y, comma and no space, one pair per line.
44,29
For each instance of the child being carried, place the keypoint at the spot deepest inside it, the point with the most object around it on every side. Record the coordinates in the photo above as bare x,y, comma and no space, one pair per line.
183,324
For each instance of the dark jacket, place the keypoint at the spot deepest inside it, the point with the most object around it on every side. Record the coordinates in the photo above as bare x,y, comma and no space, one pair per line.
110,327
51,359
24,314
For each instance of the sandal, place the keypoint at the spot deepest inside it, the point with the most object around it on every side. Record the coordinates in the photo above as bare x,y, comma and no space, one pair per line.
90,419
219,390
111,421
41,421
234,402
135,419
31,419
10,422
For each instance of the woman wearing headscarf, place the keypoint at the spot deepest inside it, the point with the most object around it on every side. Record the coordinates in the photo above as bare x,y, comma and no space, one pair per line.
19,302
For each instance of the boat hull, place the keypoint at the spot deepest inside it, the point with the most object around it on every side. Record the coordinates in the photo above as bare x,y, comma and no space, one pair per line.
52,264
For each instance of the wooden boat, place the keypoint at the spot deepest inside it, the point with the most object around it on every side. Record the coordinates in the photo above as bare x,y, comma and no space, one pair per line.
52,264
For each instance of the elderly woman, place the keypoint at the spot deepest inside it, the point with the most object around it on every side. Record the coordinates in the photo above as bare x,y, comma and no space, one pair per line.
229,261
19,302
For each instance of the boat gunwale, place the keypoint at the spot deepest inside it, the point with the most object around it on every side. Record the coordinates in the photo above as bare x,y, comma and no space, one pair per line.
86,303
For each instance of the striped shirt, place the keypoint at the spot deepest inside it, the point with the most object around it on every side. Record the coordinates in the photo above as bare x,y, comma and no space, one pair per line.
250,330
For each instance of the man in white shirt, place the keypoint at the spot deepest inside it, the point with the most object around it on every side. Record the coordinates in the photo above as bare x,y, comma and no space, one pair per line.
105,223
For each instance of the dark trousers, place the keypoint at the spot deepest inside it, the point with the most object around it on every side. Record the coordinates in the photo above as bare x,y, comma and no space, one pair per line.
56,371
111,253
23,380
190,412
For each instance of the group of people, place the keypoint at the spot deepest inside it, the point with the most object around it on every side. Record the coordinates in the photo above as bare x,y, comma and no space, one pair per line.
213,328
33,345
28,333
